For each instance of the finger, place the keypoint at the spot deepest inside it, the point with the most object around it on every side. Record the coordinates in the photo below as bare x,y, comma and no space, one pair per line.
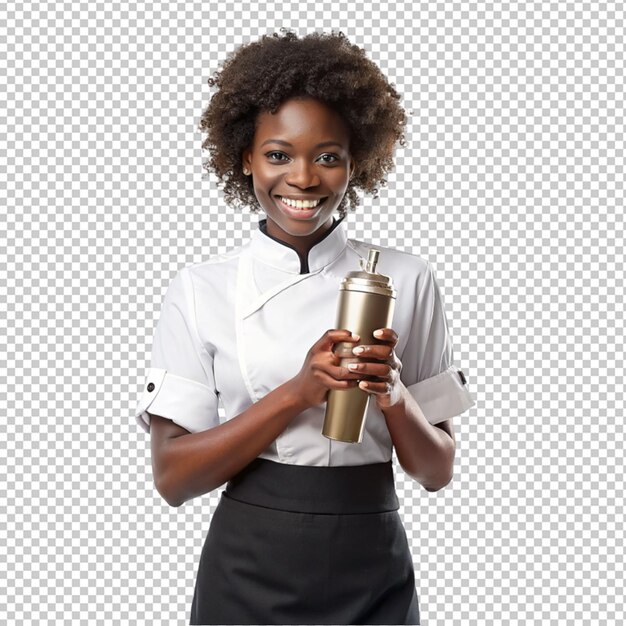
335,335
341,371
332,383
342,347
378,370
386,334
380,352
374,387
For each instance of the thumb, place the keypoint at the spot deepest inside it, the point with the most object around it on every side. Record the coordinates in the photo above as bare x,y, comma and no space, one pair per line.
333,336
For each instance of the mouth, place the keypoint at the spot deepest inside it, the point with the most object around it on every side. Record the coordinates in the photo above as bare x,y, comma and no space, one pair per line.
297,213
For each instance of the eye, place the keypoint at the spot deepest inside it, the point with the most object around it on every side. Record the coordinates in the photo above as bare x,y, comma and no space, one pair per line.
269,154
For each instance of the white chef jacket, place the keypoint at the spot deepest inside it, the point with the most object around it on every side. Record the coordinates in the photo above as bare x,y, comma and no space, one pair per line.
238,325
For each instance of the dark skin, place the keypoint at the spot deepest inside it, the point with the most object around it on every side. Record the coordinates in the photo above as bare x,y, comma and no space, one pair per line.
187,465
301,169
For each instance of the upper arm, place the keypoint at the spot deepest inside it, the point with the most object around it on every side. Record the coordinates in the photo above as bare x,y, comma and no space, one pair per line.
447,427
162,430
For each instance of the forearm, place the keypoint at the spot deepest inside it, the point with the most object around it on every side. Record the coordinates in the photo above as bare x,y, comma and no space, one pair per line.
198,463
424,451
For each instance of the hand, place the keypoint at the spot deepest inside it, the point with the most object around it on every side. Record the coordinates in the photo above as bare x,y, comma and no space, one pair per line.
381,377
321,370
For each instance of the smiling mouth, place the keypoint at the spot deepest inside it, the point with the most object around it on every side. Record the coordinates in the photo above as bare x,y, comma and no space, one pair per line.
296,208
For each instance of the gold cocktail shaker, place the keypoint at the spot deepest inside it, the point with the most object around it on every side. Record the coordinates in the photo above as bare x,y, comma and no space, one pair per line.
366,302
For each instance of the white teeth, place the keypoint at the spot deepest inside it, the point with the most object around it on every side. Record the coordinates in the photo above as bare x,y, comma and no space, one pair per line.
300,204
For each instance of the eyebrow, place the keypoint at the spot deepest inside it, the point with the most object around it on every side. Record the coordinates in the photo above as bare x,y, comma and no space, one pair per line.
286,143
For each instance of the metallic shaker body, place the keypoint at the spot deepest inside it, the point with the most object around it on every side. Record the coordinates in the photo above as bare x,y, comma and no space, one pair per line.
366,302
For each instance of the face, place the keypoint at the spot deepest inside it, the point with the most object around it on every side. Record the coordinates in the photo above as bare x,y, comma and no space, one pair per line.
286,161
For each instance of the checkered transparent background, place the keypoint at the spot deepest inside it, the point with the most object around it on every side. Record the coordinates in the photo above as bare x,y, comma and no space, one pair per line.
511,184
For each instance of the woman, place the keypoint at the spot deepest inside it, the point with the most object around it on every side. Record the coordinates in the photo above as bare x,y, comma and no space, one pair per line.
307,530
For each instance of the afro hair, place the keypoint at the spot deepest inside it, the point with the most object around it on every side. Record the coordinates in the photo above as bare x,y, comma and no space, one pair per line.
261,75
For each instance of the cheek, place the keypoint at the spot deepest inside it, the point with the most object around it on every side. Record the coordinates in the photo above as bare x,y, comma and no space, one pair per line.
265,180
338,178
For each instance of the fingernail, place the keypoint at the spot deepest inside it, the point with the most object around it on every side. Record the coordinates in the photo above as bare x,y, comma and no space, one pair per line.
358,350
355,336
378,333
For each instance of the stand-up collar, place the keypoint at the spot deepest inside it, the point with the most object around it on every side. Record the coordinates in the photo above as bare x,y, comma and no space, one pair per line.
285,257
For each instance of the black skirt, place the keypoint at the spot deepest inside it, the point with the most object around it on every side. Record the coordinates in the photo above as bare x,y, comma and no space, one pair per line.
297,544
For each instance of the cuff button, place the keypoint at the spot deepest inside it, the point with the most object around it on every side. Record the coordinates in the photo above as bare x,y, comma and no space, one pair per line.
151,387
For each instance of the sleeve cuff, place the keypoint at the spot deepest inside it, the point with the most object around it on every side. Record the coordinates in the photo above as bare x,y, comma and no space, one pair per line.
442,396
186,402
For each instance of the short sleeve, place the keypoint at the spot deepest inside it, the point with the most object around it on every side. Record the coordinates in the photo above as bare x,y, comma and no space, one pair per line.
180,383
428,368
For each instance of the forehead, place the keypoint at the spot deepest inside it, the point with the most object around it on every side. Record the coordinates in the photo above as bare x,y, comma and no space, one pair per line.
300,119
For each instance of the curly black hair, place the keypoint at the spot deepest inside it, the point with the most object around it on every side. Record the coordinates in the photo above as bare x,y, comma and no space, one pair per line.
261,75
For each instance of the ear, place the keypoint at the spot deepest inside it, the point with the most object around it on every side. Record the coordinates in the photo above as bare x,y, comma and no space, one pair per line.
246,159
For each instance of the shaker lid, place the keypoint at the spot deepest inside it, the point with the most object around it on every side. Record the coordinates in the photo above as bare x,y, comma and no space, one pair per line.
368,279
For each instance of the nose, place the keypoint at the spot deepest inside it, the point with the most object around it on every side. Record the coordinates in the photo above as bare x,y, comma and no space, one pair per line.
302,174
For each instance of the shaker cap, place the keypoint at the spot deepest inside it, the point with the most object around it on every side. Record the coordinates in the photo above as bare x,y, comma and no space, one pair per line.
368,279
